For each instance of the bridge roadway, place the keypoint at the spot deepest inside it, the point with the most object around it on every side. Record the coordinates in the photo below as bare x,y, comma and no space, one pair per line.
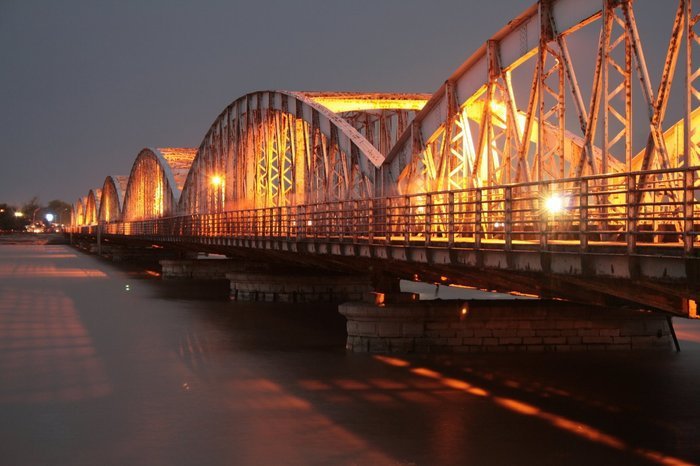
659,277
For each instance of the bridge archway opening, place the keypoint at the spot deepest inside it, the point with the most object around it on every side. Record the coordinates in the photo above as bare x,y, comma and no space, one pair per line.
112,197
78,213
154,185
92,206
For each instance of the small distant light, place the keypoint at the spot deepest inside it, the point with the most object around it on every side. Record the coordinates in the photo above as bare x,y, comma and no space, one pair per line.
498,225
416,277
49,217
443,278
309,223
464,311
127,288
216,180
555,203
19,214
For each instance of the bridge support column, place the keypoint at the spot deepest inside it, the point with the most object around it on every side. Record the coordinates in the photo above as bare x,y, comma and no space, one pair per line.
297,286
508,325
203,268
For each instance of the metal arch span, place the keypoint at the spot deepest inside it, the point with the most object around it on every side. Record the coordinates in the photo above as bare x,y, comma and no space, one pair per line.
279,148
92,206
113,191
481,128
153,187
78,212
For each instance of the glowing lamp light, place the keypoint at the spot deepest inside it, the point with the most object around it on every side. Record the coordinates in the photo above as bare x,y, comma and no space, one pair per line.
464,311
49,217
216,180
555,204
19,214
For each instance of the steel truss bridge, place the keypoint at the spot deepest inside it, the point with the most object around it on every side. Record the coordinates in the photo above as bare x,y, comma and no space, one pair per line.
519,174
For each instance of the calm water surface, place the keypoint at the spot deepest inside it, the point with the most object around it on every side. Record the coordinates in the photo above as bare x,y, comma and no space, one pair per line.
103,366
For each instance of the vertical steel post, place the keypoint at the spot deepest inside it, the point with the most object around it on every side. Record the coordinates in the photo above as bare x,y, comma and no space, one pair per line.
631,213
451,219
544,218
508,220
688,204
428,220
583,215
99,239
477,219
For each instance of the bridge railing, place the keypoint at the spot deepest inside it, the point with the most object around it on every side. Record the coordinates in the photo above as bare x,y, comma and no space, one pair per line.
630,209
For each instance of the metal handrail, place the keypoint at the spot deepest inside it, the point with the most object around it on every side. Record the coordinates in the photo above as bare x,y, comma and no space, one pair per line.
609,208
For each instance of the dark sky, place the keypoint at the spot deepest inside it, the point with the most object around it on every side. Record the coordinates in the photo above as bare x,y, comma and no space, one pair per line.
86,84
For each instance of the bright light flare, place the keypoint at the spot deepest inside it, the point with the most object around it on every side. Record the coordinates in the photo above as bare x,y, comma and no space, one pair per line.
216,180
49,217
555,204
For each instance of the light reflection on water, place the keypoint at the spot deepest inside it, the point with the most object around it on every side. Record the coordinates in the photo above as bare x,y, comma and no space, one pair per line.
191,378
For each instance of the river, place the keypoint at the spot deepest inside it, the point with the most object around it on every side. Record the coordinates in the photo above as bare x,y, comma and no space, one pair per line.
109,365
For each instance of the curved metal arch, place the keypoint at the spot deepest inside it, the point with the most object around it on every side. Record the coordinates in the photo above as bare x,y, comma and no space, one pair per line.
92,206
112,198
290,138
507,49
78,213
455,147
151,191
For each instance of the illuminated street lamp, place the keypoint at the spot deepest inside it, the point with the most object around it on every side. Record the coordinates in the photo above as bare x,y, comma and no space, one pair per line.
49,217
554,204
217,182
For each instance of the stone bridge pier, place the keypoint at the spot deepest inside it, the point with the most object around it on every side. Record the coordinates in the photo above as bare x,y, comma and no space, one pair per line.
377,326
261,281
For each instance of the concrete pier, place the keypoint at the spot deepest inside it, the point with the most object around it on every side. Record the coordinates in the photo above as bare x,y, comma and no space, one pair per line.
490,326
201,269
299,287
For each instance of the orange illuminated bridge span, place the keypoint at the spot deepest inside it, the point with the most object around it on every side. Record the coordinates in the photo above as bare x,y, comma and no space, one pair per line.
526,171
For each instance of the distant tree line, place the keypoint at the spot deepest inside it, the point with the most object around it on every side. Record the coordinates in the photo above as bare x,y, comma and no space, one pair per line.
13,218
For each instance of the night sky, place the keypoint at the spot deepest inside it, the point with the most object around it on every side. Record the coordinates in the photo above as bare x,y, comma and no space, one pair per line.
86,84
